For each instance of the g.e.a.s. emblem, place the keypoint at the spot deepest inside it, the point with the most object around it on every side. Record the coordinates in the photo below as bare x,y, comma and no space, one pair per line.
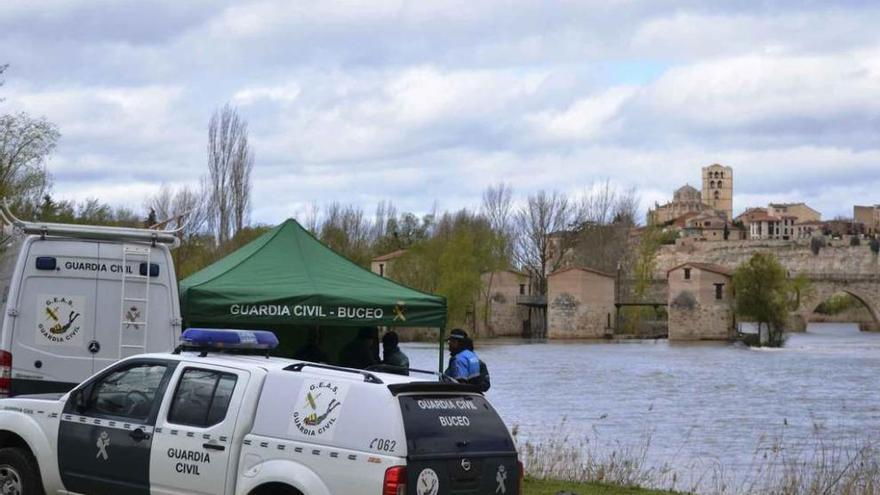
59,319
317,408
428,483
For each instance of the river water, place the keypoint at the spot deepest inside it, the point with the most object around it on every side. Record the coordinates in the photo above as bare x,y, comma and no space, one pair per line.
699,404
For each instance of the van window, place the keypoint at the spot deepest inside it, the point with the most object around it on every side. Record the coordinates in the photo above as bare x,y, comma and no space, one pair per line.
128,392
202,398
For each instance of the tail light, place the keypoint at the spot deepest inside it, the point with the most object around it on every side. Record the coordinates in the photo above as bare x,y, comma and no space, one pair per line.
5,373
522,475
395,481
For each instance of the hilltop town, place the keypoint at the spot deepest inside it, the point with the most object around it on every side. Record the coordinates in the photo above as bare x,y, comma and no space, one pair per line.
688,294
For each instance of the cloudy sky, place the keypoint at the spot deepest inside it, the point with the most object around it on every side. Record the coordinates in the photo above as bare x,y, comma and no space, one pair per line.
417,101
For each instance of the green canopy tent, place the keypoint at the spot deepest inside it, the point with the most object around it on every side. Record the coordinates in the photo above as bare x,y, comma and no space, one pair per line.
288,281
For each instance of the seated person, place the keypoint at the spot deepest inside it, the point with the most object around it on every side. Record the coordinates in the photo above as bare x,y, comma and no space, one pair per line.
362,352
310,351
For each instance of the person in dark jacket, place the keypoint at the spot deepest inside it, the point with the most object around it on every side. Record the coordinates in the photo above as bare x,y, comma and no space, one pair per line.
391,353
311,351
362,352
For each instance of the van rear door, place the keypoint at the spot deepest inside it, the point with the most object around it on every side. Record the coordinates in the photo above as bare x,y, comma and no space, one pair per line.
139,320
55,320
456,443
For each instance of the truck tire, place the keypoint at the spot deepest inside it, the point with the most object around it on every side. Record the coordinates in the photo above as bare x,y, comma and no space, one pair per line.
19,474
275,489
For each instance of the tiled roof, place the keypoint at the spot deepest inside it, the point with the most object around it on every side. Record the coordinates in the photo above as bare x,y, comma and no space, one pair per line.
390,256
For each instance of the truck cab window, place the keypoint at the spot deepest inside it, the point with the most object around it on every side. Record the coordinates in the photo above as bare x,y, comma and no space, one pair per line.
128,392
202,398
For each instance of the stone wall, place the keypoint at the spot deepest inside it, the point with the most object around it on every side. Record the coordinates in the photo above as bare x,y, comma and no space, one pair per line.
500,316
701,323
837,267
838,257
580,304
694,311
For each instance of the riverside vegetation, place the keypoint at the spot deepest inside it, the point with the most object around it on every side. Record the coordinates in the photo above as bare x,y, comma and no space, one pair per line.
580,465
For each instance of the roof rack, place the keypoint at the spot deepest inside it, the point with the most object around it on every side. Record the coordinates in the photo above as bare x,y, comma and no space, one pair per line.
368,377
88,231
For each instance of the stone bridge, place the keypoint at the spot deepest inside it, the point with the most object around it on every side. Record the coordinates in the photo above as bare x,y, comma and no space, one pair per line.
864,287
853,270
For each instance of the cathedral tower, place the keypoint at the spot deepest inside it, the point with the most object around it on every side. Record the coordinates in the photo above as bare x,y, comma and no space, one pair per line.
718,188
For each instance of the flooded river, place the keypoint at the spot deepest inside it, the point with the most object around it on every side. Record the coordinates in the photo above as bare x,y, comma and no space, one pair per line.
700,404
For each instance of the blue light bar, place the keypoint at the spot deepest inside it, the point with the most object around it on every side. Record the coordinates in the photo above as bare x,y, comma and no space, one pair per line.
214,338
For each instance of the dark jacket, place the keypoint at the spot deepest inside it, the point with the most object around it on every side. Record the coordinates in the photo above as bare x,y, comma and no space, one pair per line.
395,357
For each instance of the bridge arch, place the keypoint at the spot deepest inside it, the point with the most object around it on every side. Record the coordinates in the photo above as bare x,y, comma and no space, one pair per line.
868,296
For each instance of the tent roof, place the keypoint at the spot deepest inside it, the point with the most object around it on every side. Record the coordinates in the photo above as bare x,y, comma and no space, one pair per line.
288,277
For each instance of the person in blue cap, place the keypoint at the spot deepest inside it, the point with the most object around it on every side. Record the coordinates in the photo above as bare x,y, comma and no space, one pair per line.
464,365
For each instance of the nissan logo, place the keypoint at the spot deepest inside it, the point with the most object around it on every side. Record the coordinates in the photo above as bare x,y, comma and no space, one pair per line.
466,464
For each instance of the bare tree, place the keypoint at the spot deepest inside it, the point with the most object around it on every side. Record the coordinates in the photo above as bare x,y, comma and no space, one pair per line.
497,206
184,208
497,209
542,234
310,218
603,221
346,230
241,182
230,162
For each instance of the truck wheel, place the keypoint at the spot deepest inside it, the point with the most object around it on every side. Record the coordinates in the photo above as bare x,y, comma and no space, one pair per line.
18,473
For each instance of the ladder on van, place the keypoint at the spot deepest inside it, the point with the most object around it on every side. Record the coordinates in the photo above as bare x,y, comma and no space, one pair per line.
135,305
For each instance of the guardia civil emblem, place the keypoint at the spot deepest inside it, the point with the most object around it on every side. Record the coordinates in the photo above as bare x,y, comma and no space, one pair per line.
428,482
317,408
59,319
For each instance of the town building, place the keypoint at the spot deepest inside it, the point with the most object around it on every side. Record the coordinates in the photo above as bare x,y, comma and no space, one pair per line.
381,265
801,212
718,188
580,303
711,226
716,195
780,221
686,201
701,302
869,216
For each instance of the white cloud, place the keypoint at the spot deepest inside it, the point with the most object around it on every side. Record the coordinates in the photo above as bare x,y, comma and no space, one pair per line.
586,118
417,101
283,94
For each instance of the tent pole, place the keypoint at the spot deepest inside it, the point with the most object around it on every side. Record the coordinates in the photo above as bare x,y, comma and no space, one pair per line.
442,339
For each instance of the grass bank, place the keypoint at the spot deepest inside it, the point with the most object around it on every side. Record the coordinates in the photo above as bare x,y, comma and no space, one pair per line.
550,487
823,465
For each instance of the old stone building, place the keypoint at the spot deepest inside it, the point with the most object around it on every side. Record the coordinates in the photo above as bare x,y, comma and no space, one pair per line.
381,265
718,188
716,195
711,226
800,211
869,216
701,303
686,200
499,310
580,304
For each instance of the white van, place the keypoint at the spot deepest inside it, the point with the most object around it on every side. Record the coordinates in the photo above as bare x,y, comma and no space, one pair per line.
77,298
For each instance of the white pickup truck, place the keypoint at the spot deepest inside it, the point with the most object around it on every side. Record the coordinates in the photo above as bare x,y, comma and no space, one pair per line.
198,421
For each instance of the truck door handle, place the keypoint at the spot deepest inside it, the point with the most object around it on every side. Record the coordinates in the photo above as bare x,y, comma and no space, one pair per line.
213,446
138,435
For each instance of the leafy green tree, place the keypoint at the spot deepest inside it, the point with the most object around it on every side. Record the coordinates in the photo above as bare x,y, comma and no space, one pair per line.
450,263
800,288
762,294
